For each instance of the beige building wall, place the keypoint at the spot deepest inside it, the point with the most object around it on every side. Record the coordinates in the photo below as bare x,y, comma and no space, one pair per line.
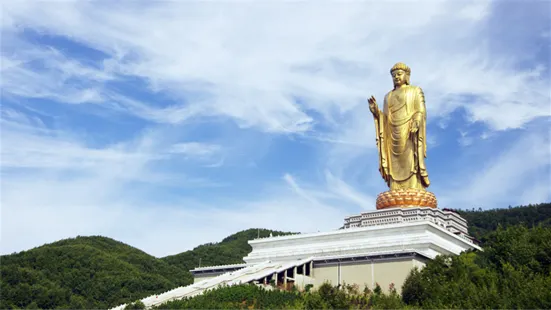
357,273
326,273
367,273
393,272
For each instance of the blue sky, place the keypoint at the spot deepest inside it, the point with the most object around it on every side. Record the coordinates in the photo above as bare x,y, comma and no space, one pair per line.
168,124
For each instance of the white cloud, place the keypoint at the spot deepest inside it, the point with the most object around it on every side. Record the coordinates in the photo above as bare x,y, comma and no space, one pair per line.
60,78
58,209
40,148
254,60
514,175
67,188
342,189
299,191
211,155
195,148
31,150
465,139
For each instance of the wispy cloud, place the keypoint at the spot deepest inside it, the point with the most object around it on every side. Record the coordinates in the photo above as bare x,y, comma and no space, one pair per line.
330,65
195,149
32,71
59,209
342,189
522,169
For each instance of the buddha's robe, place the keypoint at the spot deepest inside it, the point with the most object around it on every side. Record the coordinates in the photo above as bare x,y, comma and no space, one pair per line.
402,153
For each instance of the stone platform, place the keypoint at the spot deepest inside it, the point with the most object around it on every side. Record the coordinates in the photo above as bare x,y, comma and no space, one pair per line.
425,237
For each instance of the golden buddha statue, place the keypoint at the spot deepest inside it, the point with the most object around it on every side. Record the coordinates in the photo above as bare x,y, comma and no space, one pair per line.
400,129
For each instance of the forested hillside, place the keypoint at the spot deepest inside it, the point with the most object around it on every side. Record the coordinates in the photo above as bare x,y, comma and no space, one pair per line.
230,251
98,272
84,272
513,272
481,222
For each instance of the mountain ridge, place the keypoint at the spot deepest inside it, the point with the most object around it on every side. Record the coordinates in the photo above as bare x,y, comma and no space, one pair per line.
100,272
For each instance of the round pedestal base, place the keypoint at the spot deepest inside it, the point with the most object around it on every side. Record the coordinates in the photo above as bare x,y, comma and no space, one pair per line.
404,198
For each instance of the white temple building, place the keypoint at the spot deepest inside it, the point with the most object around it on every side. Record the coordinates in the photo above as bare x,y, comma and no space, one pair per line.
375,247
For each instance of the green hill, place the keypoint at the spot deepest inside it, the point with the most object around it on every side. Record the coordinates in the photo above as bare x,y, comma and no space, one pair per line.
84,272
513,272
482,222
230,251
99,272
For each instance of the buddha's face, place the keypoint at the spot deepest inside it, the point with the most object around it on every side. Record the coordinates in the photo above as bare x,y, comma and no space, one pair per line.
399,77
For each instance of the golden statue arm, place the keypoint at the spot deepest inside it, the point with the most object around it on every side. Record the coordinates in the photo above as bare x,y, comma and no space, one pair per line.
379,121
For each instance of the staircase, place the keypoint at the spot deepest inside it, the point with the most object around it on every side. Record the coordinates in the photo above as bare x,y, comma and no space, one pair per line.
258,272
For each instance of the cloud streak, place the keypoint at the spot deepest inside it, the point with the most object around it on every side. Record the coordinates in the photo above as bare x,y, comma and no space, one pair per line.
330,64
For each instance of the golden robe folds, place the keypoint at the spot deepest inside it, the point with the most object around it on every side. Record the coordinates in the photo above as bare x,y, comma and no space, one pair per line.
402,152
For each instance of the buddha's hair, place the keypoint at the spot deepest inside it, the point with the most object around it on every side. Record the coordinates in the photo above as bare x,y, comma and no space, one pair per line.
401,66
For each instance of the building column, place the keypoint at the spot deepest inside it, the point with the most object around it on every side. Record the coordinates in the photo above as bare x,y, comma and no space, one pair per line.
372,275
275,277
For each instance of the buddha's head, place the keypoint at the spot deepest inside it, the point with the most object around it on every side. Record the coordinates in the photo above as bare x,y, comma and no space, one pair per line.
400,73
